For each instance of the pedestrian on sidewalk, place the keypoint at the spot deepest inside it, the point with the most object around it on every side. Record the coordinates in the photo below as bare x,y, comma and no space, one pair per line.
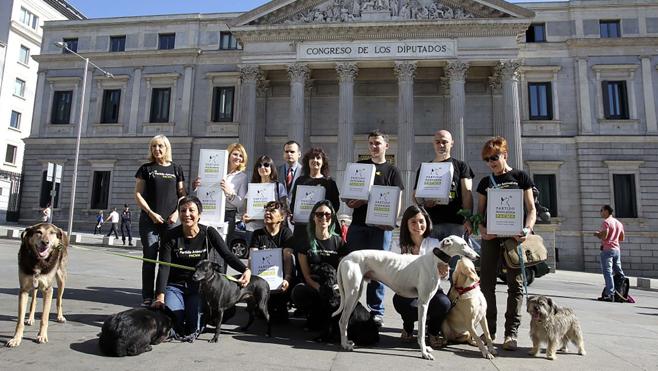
126,221
99,222
611,234
46,214
113,218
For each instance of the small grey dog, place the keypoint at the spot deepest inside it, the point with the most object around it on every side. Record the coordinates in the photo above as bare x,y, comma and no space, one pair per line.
553,325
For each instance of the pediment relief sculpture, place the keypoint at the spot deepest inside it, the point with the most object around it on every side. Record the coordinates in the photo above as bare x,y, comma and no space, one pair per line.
347,11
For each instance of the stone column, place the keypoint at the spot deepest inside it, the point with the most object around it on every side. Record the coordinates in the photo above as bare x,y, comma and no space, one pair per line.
497,121
85,115
512,118
186,118
250,75
263,91
649,101
134,101
37,115
405,72
583,97
456,73
298,74
347,72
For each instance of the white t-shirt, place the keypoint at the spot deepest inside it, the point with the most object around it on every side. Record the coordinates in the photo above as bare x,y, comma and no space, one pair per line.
114,217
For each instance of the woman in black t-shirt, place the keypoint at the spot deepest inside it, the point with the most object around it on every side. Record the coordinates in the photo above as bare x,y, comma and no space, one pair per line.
325,246
495,154
187,245
158,186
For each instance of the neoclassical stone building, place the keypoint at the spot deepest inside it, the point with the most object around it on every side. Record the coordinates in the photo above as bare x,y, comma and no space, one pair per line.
571,85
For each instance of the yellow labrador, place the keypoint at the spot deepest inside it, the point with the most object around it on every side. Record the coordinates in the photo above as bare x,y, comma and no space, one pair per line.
470,308
42,259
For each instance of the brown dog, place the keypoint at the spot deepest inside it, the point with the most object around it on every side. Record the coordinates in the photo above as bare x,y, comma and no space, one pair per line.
42,259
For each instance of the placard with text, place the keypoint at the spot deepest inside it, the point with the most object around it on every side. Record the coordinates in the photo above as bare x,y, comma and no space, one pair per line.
305,198
504,211
268,265
435,181
383,205
357,181
258,195
212,169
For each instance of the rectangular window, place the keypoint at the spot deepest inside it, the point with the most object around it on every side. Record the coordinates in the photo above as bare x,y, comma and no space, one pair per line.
24,55
160,104
228,42
625,201
166,40
615,100
110,108
71,43
546,184
610,29
222,104
540,101
46,187
10,155
19,88
536,33
29,19
100,189
15,120
61,112
117,43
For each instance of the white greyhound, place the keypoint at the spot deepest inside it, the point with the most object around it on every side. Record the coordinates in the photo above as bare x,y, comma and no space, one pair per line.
410,276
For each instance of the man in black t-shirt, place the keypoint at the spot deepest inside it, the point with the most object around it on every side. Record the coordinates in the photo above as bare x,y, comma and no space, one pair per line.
445,220
361,236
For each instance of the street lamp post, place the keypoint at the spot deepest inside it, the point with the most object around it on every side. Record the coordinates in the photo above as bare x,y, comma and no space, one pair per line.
64,46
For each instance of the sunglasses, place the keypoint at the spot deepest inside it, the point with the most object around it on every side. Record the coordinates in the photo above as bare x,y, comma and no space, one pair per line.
320,215
495,157
264,164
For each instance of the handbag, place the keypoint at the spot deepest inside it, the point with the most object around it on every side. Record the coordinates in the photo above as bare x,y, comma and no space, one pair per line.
533,249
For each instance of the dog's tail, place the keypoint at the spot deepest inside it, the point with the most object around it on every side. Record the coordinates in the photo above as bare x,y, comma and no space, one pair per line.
341,290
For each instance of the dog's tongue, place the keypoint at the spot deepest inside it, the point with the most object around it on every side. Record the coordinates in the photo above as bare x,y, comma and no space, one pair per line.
535,315
43,250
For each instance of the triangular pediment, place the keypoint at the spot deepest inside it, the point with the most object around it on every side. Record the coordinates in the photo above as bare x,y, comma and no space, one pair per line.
300,12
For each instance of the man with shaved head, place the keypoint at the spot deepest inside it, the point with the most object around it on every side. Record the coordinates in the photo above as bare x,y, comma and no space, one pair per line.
445,219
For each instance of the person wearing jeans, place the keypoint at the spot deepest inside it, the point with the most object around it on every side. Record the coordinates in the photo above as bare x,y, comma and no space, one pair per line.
610,234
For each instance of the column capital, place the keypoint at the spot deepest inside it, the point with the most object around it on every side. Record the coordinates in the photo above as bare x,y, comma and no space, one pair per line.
298,72
509,69
347,71
250,72
456,70
405,71
495,81
262,87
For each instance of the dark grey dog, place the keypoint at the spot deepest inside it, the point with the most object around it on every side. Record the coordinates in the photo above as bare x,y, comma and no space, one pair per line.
553,325
221,294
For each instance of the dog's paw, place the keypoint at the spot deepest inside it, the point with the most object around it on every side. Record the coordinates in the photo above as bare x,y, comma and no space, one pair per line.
214,339
582,352
487,355
550,356
29,322
427,354
61,319
14,342
348,346
493,351
42,339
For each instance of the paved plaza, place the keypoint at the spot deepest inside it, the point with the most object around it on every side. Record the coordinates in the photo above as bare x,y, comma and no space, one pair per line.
617,336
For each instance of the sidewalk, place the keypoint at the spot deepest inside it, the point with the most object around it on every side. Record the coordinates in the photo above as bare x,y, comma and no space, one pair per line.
617,336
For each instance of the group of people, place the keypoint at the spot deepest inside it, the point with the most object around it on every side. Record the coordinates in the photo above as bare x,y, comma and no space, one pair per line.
114,218
161,195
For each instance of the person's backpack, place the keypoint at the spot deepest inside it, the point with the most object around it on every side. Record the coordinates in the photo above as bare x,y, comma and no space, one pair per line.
622,286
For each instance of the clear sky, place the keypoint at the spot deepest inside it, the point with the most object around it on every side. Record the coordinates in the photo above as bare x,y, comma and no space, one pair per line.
120,8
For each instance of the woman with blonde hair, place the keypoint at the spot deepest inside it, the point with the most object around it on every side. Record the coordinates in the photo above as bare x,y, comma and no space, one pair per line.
158,186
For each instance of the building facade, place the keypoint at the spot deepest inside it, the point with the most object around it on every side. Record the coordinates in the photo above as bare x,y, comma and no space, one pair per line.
571,85
21,31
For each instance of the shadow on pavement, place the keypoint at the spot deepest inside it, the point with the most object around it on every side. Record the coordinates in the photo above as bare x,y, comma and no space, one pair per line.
107,295
87,347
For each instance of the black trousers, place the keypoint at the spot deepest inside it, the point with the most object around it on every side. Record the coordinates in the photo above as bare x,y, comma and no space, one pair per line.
436,313
113,228
125,230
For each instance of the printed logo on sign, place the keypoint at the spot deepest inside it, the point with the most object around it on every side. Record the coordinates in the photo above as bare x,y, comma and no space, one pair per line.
504,210
357,179
382,204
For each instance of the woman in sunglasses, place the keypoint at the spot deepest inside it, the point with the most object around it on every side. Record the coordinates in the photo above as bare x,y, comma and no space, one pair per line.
315,172
325,246
265,172
495,154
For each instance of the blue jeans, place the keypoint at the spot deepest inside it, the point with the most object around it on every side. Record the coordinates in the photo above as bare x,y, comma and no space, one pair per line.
185,303
149,233
363,237
610,261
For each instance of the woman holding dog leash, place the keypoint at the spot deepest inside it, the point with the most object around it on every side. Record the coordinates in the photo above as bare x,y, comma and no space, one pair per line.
188,244
495,154
158,186
415,239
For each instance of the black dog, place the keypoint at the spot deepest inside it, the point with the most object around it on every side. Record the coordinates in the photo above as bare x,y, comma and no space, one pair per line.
133,331
222,294
362,329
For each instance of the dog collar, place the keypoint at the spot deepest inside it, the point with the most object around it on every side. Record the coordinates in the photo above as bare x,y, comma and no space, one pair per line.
463,290
441,255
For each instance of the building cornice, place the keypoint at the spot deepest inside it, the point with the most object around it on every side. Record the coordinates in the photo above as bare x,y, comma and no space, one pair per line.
155,53
612,42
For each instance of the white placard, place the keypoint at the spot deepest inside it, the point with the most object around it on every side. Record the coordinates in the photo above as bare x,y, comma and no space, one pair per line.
258,195
504,211
305,198
383,205
268,265
358,180
212,169
435,181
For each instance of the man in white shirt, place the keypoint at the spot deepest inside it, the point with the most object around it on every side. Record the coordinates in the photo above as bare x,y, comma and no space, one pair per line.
114,220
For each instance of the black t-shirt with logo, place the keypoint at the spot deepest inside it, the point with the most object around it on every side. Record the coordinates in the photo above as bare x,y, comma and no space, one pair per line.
386,175
448,213
513,179
328,251
262,239
160,190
